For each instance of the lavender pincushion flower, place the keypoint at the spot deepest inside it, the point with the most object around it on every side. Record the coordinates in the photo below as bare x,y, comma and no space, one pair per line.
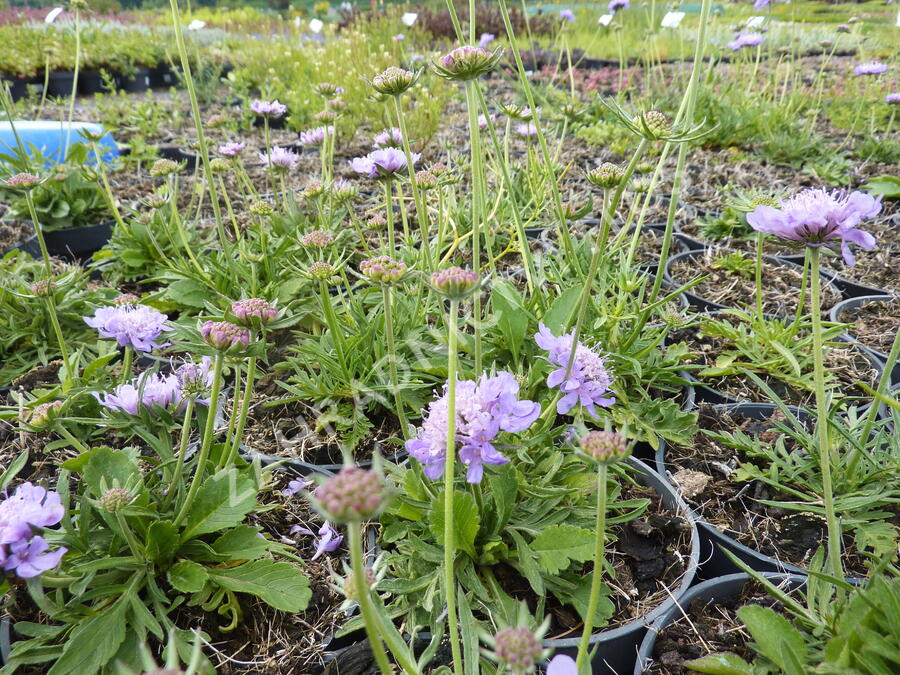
567,15
816,217
486,39
746,40
149,391
137,326
870,68
232,149
484,409
280,159
383,163
615,5
389,138
316,136
23,553
893,98
268,108
589,381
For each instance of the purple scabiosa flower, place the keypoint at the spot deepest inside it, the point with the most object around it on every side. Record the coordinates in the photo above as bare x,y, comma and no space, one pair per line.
843,28
383,270
30,558
761,4
147,391
343,190
254,310
329,540
222,335
315,136
567,15
232,149
280,159
616,5
22,181
389,138
483,121
816,217
486,39
746,40
399,37
870,68
268,108
893,98
195,379
137,326
353,494
467,63
296,486
526,130
589,382
484,409
517,647
562,665
383,163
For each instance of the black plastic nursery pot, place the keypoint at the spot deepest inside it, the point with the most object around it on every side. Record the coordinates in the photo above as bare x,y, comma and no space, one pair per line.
75,244
176,154
162,76
302,468
711,592
713,542
275,123
849,289
18,86
617,648
838,315
91,82
59,84
136,82
704,304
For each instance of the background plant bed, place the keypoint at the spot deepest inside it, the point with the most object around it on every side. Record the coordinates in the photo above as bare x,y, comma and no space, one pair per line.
723,288
728,514
876,320
706,622
847,362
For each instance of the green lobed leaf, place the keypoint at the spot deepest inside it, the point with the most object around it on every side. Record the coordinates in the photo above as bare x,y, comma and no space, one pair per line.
466,521
241,543
278,584
92,643
223,501
559,545
161,541
773,634
105,465
188,576
721,664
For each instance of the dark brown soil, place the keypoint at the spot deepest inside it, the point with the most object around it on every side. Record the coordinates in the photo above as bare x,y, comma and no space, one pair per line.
780,283
705,471
708,629
12,233
874,324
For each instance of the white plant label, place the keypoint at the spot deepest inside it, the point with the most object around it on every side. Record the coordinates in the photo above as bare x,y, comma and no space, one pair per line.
316,26
605,20
672,19
409,18
196,24
755,21
51,16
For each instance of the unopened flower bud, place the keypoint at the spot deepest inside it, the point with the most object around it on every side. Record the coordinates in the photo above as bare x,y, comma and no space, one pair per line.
262,209
42,287
607,175
517,647
222,335
454,282
354,494
313,190
467,63
326,116
115,499
219,165
426,179
653,124
383,269
254,309
328,90
217,120
126,299
394,81
343,190
43,414
605,446
350,582
317,239
164,167
336,104
22,181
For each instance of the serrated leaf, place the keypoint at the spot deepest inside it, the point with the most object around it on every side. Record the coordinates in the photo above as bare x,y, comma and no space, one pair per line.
187,292
241,543
188,576
559,545
223,501
278,584
105,465
772,634
466,521
725,663
92,643
161,541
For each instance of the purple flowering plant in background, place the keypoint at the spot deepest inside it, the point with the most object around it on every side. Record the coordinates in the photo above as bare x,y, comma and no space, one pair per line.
23,552
279,158
383,163
616,5
315,136
268,108
231,149
870,68
746,40
567,15
389,138
588,384
136,326
484,408
817,217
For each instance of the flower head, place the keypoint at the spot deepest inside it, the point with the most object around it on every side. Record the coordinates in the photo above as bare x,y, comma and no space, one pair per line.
353,494
589,381
317,239
455,282
870,68
328,90
231,149
517,647
562,665
607,175
316,135
126,299
321,271
605,446
383,269
567,15
195,379
616,5
843,28
394,81
483,121
253,310
486,39
115,499
746,40
147,392
893,98
43,414
279,159
383,163
22,181
343,190
296,486
816,217
137,326
164,167
268,108
653,124
467,63
484,409
389,138
223,335
526,130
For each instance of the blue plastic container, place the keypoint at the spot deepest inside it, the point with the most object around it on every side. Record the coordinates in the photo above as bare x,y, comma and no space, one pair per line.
49,137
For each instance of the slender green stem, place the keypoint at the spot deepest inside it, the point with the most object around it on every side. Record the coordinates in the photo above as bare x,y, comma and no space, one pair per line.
759,265
65,433
206,443
392,357
365,601
477,209
175,490
834,529
127,361
449,470
337,334
597,580
229,458
389,208
133,544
